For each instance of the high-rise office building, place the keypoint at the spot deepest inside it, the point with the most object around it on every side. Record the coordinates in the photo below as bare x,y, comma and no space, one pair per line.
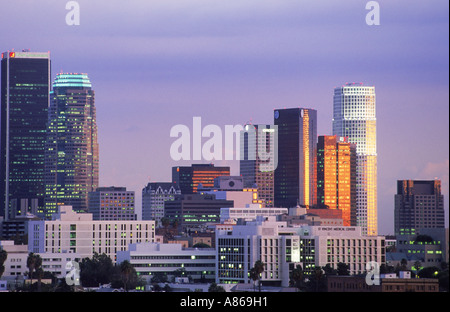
25,86
72,153
188,178
154,194
295,175
354,116
258,172
336,176
193,211
418,204
112,203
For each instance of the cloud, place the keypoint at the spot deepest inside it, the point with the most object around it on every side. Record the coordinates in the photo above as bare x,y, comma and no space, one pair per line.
435,170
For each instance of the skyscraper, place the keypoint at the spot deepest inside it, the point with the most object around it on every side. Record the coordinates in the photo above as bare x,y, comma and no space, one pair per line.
295,175
188,178
256,171
419,204
72,153
354,117
336,176
25,86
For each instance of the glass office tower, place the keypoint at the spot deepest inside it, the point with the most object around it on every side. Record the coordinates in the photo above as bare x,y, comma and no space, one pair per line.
419,204
354,116
336,176
72,152
25,87
255,170
295,175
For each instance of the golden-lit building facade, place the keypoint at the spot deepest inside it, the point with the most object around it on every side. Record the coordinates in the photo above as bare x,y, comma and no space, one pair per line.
336,176
354,116
188,178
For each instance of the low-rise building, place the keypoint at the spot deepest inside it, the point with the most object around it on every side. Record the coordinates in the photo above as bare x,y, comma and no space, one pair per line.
238,250
79,233
249,213
344,244
386,284
16,261
170,260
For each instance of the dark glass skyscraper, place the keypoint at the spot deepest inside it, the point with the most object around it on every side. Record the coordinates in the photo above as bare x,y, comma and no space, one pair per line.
419,204
258,172
25,87
72,152
295,175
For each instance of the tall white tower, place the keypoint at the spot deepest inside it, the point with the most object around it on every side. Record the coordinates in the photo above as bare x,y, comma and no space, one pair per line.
354,116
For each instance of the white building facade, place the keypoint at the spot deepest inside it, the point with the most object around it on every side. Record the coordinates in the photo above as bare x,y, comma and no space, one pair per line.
240,248
249,213
78,233
354,116
281,248
150,259
343,244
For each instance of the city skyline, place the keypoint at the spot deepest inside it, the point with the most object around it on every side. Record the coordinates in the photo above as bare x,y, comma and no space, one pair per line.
219,59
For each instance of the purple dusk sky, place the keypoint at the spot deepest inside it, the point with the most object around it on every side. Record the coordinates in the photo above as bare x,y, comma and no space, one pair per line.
155,64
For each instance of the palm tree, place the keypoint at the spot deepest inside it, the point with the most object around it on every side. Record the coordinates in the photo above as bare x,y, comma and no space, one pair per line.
34,262
318,274
297,276
126,269
259,268
417,266
254,276
40,273
3,257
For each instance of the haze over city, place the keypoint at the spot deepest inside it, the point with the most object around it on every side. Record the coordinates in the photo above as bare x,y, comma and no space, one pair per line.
156,64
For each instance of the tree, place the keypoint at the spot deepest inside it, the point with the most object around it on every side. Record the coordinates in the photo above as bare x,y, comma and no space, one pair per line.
158,277
201,245
3,257
256,271
403,264
343,269
317,281
128,273
34,262
297,276
386,268
417,266
423,238
443,280
39,274
215,288
253,276
329,270
96,270
429,272
165,222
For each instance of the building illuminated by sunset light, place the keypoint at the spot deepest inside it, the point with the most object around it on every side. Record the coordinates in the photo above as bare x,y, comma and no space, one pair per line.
354,116
295,175
336,176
